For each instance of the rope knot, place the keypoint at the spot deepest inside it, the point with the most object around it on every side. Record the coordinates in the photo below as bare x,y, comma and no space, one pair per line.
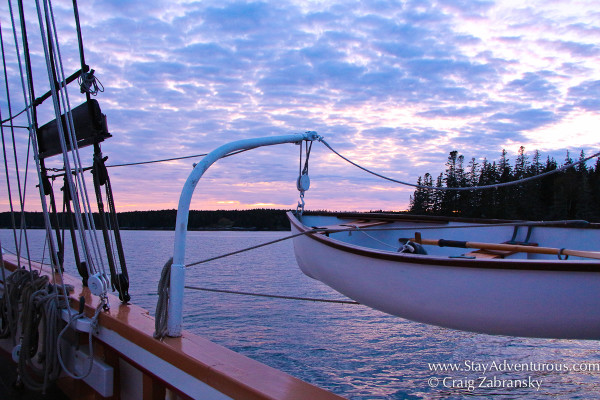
88,83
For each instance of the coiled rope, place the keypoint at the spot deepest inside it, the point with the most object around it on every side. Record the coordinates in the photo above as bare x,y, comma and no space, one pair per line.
9,302
89,83
162,305
41,304
41,307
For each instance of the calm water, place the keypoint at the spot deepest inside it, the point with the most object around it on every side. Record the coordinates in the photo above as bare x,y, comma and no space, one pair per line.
351,350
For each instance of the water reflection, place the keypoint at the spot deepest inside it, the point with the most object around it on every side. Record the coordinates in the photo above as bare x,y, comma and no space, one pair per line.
354,351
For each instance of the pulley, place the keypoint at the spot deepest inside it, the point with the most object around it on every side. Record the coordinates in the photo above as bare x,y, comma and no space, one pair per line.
303,181
98,284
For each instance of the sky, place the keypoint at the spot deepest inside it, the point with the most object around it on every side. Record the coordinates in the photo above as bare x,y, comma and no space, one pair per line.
393,85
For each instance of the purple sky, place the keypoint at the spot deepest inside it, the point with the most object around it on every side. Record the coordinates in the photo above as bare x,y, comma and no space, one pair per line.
395,86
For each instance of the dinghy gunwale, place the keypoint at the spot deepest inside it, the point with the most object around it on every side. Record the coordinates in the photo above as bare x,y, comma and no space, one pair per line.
569,265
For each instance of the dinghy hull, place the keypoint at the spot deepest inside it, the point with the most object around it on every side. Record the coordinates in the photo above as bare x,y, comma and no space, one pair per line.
516,297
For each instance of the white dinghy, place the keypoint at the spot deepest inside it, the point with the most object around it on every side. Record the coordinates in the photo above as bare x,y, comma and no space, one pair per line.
520,279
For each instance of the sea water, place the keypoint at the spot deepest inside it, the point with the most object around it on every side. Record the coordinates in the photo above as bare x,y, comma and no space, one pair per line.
352,350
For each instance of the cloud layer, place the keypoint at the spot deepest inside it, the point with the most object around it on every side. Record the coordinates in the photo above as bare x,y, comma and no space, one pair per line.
395,85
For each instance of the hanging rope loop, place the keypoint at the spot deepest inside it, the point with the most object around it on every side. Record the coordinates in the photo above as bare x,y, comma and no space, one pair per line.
89,83
93,330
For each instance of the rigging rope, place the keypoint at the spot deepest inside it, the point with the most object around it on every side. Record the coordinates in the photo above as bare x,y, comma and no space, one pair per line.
303,181
273,296
146,162
377,240
156,161
90,243
257,246
30,112
164,284
41,301
494,186
3,121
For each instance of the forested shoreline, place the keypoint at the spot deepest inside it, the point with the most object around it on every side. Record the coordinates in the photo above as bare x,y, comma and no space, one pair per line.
570,194
257,220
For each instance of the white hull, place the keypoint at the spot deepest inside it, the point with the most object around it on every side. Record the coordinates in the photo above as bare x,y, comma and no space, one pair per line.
516,297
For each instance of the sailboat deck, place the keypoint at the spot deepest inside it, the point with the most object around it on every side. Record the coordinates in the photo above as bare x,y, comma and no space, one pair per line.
191,366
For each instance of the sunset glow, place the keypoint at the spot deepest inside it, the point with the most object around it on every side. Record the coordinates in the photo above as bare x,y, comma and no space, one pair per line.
394,86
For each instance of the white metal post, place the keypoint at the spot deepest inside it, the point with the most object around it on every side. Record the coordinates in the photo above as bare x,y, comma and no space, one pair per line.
175,312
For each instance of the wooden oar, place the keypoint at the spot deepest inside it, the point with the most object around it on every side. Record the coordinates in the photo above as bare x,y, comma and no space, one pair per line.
506,247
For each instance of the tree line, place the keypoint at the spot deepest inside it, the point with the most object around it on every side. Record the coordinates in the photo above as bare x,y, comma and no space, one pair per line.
258,219
570,194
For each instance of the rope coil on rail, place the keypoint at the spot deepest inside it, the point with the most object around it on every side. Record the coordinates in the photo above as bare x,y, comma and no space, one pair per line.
162,305
40,315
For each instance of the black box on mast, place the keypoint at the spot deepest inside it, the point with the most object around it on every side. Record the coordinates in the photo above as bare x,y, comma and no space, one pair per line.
90,127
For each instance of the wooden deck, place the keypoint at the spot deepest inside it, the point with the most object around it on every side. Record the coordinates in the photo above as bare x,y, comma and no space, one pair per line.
189,366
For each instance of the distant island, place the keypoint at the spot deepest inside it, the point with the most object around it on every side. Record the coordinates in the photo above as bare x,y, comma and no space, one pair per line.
255,220
570,194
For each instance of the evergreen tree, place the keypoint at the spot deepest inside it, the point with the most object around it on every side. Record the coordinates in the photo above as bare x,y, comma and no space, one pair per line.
451,197
518,205
547,188
418,203
428,195
472,199
438,196
594,181
570,194
566,193
505,195
532,196
585,204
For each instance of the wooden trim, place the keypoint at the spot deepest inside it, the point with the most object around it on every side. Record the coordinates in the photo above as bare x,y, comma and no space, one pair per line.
152,389
228,372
